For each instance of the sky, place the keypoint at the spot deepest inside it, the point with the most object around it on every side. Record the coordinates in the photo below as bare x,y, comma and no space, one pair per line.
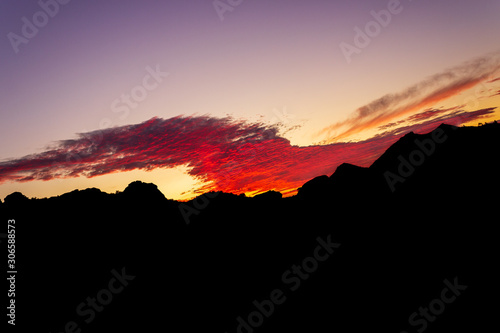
234,95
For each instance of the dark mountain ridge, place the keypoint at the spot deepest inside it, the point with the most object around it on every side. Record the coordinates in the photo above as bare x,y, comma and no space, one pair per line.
469,146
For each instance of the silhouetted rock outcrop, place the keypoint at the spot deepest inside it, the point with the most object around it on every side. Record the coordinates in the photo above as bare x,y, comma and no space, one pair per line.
269,195
139,191
16,199
88,195
315,188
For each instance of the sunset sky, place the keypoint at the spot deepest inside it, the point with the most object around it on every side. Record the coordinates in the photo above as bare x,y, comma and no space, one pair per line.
235,95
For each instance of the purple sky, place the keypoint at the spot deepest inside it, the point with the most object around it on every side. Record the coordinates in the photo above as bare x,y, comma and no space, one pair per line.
270,61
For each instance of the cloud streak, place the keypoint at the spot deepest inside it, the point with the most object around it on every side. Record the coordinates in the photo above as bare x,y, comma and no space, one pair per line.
424,94
225,154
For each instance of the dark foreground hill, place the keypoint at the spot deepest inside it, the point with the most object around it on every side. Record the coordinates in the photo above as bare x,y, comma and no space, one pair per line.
409,244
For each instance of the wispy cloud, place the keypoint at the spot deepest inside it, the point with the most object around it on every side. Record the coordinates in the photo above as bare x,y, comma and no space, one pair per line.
428,120
424,94
226,154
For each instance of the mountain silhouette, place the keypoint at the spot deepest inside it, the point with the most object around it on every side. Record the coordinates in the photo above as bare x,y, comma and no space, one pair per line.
269,195
16,198
140,191
406,245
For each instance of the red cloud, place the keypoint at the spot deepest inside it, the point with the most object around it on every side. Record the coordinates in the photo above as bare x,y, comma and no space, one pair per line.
229,155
